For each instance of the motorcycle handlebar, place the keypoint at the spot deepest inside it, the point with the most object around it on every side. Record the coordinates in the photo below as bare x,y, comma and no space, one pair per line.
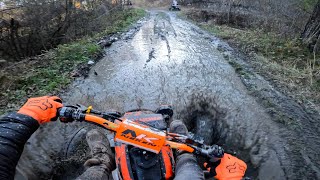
69,114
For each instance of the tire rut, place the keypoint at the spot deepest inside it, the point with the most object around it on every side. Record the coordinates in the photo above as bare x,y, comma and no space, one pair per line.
187,68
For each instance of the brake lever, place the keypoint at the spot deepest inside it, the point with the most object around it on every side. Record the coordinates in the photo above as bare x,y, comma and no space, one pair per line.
186,139
81,107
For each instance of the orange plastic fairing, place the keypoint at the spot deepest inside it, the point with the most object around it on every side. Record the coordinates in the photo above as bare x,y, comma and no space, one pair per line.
122,161
167,156
146,138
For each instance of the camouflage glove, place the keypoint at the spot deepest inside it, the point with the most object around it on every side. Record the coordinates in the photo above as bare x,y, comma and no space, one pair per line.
43,109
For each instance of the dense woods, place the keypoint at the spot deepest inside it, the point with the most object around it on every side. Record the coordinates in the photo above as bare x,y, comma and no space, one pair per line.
27,27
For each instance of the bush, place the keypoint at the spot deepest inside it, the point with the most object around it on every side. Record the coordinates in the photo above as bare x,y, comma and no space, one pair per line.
29,27
51,71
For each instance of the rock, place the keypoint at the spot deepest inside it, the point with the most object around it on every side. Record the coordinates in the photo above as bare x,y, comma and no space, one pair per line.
90,62
3,62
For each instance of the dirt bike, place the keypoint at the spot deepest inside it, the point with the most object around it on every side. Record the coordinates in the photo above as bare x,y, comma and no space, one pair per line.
143,143
175,8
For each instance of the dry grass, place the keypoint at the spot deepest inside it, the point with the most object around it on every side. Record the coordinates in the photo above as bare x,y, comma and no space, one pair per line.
152,3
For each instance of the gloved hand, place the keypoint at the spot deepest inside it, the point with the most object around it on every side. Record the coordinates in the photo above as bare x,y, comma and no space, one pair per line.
43,109
228,168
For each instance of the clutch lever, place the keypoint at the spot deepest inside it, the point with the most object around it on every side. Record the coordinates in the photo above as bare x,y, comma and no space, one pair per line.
85,109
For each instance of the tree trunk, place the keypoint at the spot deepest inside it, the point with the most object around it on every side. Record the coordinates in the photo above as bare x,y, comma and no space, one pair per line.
311,33
13,36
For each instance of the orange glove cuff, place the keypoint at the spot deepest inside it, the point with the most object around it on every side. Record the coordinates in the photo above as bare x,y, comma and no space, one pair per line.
29,113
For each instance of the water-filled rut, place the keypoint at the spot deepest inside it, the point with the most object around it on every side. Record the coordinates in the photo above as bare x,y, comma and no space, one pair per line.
171,61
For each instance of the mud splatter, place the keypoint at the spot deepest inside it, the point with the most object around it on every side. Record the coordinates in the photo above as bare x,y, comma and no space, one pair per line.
198,80
151,55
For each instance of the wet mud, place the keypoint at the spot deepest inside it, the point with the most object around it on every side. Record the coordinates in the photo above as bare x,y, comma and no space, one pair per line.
171,61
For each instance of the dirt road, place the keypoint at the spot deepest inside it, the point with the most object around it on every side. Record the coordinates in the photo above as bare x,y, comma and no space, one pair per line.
171,61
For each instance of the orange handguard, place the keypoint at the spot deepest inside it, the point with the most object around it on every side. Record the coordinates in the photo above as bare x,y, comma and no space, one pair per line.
105,123
180,146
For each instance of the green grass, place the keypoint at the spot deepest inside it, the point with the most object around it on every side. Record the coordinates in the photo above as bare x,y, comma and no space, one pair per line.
128,18
308,5
269,44
51,72
54,74
121,21
286,60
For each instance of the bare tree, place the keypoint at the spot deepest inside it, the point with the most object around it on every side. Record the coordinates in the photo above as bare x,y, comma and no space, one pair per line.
311,33
40,25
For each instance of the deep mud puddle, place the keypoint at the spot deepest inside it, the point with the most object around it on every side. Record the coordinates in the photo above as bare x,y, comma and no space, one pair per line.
171,61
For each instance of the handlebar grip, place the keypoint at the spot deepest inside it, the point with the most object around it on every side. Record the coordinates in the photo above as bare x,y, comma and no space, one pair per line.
69,114
213,153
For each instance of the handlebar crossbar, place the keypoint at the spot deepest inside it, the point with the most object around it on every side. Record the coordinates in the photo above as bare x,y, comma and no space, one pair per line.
139,135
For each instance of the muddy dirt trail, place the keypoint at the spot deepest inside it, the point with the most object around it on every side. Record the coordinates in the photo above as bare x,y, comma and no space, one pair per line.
171,61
